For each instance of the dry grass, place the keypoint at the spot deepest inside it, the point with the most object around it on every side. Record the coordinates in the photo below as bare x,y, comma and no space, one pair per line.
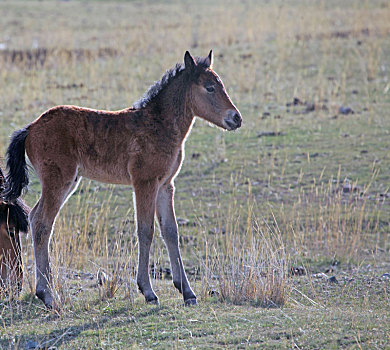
9,288
87,242
337,218
252,268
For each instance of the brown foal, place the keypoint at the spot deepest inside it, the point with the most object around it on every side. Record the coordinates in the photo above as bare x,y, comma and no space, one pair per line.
142,146
13,220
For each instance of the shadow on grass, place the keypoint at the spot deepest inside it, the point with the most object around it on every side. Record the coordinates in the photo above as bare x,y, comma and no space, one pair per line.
65,335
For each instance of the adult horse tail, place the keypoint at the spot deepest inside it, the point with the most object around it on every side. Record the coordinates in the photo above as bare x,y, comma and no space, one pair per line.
17,177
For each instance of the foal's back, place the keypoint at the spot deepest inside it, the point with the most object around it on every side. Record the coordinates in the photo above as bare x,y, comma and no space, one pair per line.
101,145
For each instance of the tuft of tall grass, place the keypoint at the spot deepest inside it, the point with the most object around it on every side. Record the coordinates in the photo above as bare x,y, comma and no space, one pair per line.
245,260
119,259
255,271
60,288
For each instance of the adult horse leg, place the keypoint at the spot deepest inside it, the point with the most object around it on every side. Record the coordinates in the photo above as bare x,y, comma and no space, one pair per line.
145,203
56,188
168,227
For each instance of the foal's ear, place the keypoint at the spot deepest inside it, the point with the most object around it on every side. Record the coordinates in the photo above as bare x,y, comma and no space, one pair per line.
210,59
189,61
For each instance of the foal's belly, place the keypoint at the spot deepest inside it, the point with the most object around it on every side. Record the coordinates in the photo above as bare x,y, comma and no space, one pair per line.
113,175
126,168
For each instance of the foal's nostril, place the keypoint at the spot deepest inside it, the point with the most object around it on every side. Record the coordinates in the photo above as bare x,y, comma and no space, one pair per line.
233,119
237,119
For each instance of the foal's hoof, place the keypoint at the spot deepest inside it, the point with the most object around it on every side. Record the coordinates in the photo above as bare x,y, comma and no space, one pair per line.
190,302
46,298
152,300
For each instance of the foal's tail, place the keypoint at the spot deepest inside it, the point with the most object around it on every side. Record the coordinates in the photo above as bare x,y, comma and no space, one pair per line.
17,178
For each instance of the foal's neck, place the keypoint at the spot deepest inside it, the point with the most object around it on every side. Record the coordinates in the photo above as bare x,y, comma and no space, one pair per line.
174,104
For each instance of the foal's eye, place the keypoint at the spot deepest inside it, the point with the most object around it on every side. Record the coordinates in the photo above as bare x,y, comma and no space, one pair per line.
210,89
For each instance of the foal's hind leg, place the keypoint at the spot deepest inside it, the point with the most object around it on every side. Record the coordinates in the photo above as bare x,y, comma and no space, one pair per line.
55,191
168,227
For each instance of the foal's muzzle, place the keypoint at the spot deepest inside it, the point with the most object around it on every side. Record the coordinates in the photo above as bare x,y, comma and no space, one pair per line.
232,120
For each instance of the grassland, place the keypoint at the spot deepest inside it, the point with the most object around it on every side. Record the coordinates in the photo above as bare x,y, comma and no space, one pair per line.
302,183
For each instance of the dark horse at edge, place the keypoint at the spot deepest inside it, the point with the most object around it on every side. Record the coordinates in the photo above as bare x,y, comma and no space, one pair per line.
13,221
142,146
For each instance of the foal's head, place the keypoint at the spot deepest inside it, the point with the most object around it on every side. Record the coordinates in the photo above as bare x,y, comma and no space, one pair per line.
209,98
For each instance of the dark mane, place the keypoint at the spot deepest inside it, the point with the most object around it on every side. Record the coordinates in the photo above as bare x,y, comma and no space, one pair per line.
15,214
168,76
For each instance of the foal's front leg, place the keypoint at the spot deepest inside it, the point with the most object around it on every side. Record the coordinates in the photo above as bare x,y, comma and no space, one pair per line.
145,203
168,227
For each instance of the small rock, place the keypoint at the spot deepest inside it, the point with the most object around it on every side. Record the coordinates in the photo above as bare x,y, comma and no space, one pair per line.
346,110
156,271
265,115
167,272
332,280
297,101
297,271
183,222
270,133
213,293
348,187
160,272
310,107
